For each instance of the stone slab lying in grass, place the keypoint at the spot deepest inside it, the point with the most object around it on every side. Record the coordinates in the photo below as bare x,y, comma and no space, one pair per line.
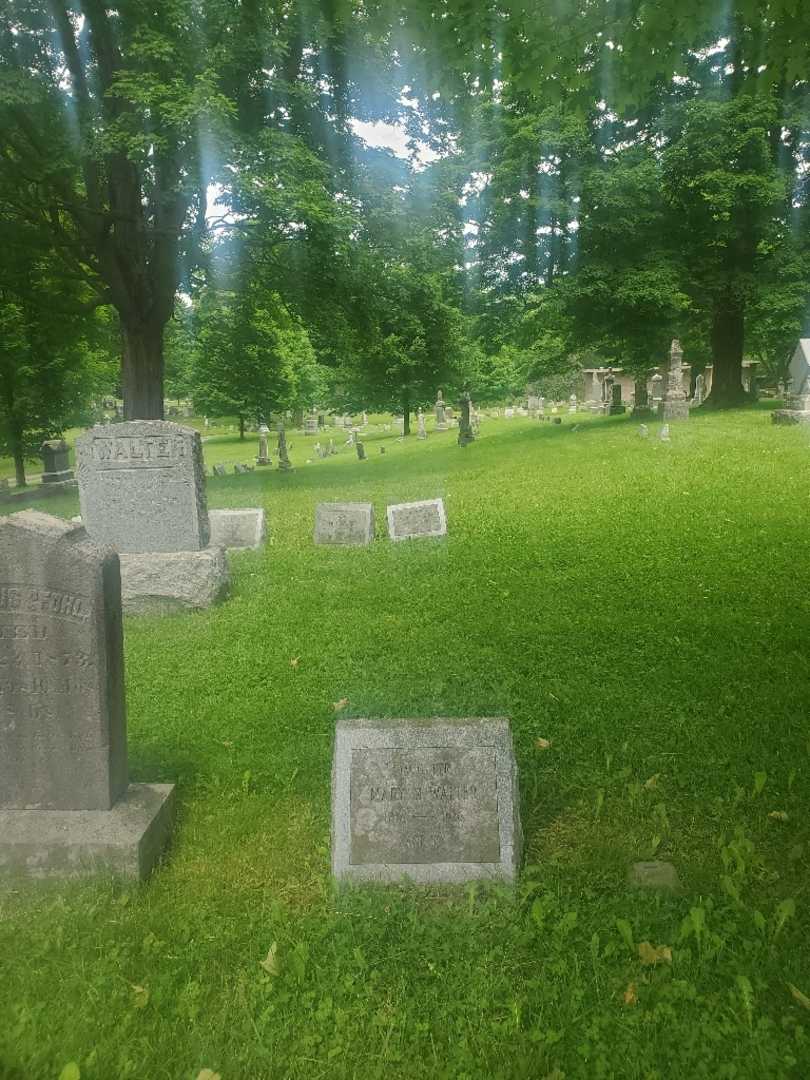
347,523
244,528
790,416
126,840
654,874
411,521
158,583
141,486
426,801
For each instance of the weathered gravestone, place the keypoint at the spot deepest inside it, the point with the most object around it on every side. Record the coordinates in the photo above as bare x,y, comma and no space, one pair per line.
344,523
799,404
409,521
56,463
66,805
141,486
244,528
424,800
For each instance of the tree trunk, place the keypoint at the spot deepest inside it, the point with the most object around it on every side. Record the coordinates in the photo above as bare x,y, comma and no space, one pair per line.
406,413
19,460
241,429
142,371
727,337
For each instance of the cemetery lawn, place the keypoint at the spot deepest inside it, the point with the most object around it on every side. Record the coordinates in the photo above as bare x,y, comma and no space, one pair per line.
639,609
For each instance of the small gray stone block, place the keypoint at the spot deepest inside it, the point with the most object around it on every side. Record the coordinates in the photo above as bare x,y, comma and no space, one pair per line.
243,528
345,524
220,470
675,410
654,875
126,840
414,520
141,486
159,583
427,801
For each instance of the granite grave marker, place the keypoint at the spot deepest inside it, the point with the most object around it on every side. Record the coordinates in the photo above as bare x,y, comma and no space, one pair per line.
409,521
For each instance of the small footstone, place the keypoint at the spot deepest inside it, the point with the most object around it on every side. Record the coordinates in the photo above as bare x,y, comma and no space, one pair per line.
409,521
344,523
232,529
654,875
159,583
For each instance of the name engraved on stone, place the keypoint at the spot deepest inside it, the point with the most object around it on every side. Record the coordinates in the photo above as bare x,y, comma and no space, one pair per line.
424,805
30,600
147,451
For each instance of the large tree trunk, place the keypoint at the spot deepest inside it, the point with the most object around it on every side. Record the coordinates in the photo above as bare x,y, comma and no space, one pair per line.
142,371
19,460
728,335
406,413
241,429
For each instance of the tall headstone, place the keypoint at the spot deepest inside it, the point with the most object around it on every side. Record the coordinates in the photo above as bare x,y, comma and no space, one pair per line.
617,406
424,800
284,462
263,457
656,383
572,403
675,405
465,431
699,390
421,433
641,402
65,800
441,418
56,462
141,486
798,399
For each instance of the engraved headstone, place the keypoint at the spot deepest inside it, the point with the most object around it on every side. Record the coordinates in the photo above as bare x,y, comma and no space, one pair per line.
409,521
344,523
141,486
65,802
62,723
421,433
424,800
441,415
220,470
675,405
264,454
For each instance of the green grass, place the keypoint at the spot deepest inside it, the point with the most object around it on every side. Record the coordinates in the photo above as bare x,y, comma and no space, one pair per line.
644,606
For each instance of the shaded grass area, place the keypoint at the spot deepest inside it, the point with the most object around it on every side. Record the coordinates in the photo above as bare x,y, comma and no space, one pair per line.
641,605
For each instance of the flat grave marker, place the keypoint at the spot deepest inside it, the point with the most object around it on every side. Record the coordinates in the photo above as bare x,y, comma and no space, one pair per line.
424,800
410,521
346,524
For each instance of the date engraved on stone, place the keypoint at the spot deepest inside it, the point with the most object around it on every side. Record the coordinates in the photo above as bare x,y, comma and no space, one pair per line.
424,805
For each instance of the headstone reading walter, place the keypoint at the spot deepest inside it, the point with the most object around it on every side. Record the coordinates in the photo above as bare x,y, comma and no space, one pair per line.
141,486
346,524
414,520
424,800
65,799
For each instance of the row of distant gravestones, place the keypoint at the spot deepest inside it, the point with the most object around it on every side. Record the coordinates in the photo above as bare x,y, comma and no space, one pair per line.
428,800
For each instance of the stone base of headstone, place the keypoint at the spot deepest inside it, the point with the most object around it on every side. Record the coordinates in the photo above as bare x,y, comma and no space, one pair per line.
64,477
642,412
244,528
427,801
264,461
158,583
790,416
125,841
617,410
675,410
